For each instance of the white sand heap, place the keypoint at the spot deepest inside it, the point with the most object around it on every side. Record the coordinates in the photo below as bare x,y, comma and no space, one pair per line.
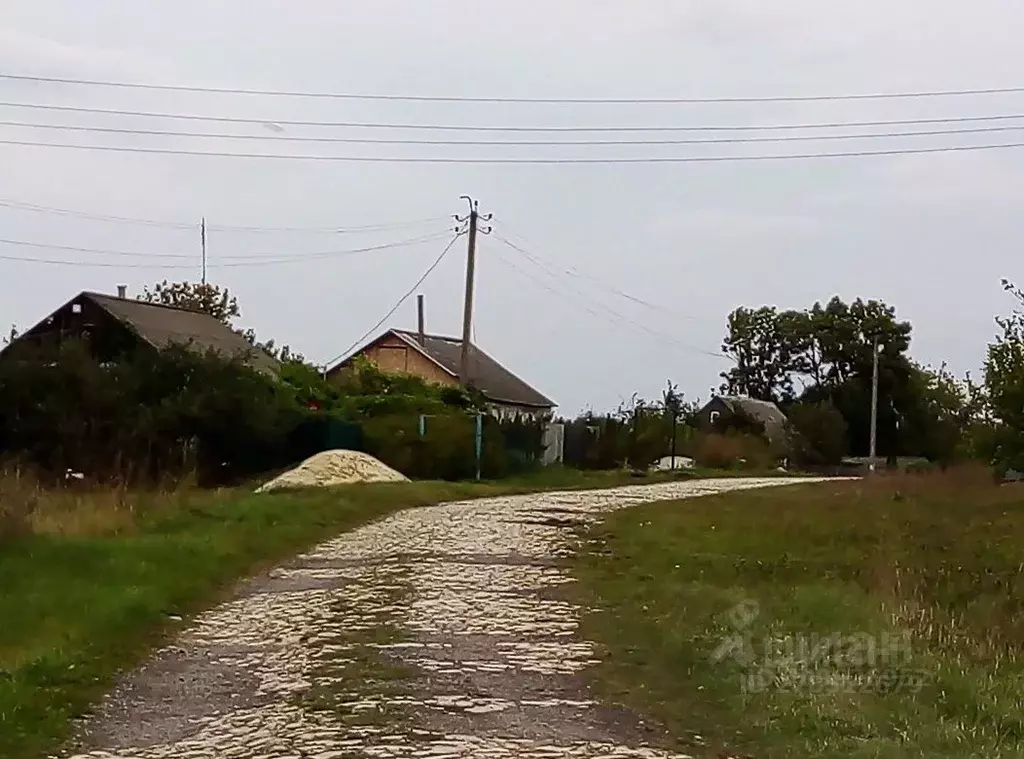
336,467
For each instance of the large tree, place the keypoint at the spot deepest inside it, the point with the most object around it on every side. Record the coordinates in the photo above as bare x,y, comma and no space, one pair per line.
821,358
820,348
1004,383
762,348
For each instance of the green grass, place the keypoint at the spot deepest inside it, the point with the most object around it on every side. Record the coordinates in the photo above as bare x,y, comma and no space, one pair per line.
90,580
937,559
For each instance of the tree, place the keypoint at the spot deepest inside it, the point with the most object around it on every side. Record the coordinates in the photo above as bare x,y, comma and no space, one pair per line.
824,355
675,406
758,343
284,354
819,348
1004,383
820,433
209,299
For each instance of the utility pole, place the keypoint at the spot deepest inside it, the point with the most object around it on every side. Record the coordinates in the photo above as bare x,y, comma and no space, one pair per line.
202,237
675,428
874,405
467,313
421,329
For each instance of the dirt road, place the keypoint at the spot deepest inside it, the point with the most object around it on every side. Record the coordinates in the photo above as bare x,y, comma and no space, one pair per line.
438,633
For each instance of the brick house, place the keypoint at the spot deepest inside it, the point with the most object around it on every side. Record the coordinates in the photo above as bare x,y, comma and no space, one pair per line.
437,359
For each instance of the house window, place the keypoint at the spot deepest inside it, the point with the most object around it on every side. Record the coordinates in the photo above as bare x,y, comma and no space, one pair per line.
714,416
76,308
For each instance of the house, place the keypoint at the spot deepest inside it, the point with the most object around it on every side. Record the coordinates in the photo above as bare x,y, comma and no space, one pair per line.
437,359
115,327
722,408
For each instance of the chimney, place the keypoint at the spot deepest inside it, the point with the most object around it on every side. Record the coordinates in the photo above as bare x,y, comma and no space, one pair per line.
421,330
122,291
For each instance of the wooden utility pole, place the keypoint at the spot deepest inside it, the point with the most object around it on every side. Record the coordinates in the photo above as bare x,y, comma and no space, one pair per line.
467,313
202,237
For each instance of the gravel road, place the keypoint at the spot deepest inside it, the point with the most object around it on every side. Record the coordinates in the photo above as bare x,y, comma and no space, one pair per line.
437,633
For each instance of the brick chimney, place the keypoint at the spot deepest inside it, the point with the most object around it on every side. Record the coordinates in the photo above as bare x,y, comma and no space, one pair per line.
122,291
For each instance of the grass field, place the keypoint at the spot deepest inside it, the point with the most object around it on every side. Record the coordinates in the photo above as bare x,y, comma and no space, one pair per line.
92,581
874,619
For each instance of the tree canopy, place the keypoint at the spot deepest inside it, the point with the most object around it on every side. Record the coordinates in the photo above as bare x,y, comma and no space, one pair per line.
818,364
205,298
1004,382
781,354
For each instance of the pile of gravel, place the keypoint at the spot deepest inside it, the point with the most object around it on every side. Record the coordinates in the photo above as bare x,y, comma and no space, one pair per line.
338,467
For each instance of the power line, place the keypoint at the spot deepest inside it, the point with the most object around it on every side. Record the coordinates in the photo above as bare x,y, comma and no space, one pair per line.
100,217
523,161
233,261
403,299
538,282
275,123
506,143
617,317
213,227
384,226
90,264
550,101
574,272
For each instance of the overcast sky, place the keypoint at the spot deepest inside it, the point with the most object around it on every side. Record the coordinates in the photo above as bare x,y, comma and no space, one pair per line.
931,234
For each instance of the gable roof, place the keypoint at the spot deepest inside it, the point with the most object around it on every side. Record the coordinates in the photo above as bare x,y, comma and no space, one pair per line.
497,383
160,326
765,412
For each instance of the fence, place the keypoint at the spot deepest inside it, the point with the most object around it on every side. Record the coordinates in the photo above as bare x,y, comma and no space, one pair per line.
638,441
454,446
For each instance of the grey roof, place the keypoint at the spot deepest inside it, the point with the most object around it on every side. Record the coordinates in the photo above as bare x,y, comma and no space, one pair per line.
162,326
765,412
497,383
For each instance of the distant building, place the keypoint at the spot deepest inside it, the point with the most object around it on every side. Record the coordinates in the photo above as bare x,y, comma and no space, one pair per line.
115,327
437,359
723,408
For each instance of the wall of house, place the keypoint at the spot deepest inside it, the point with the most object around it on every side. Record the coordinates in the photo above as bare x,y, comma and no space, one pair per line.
392,354
106,337
715,410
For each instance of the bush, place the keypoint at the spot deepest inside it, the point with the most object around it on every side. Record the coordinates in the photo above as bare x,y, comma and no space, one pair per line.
447,450
156,417
732,451
819,433
153,417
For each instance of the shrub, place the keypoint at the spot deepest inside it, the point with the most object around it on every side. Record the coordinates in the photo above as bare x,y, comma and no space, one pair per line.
732,451
152,417
447,450
819,433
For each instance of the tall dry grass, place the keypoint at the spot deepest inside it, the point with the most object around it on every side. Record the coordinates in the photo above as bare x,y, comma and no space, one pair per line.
935,558
953,568
29,507
732,451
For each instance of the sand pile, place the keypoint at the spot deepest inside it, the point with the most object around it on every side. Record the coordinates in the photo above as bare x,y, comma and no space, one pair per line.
336,467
